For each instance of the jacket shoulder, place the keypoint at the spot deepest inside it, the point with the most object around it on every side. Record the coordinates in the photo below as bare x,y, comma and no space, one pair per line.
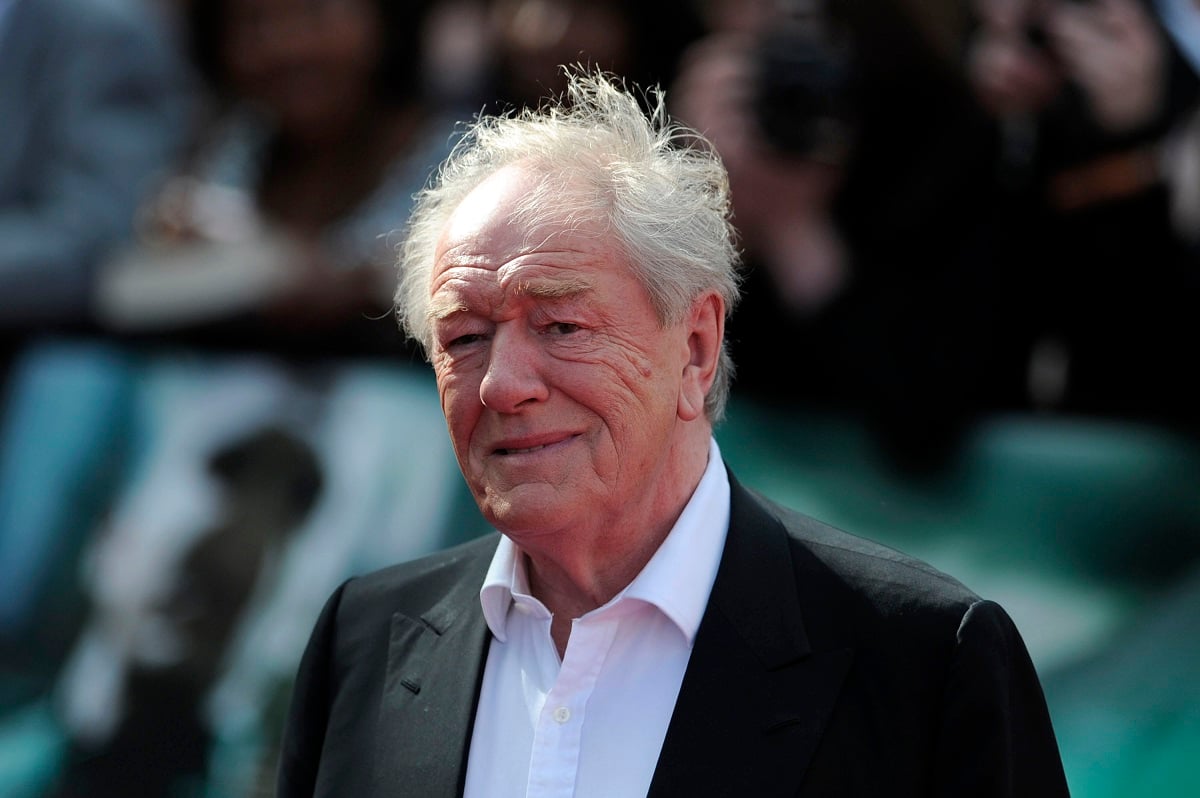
892,581
414,586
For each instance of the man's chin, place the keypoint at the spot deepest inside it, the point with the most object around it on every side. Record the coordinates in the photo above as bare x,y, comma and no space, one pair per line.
526,510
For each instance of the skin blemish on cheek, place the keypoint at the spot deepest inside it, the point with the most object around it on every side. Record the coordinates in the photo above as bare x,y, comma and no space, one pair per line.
632,369
630,345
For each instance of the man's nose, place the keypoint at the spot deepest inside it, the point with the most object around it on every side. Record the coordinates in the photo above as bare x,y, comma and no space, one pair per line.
514,376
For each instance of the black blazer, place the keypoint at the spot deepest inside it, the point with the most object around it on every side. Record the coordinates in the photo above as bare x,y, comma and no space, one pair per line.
825,665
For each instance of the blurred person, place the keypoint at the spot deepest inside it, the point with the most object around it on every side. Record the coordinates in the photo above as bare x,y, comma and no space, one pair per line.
858,163
1088,95
271,234
254,309
254,494
97,103
1096,100
775,99
778,109
642,623
164,610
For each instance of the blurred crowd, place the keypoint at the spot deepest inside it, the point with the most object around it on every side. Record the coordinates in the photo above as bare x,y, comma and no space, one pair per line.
948,210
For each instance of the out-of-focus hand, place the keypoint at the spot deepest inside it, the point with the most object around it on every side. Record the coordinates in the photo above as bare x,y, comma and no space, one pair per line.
1114,52
318,295
187,209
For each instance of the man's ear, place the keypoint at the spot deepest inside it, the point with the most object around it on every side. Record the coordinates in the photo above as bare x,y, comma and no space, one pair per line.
706,330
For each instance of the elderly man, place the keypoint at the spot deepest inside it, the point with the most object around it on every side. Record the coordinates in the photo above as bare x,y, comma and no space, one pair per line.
644,624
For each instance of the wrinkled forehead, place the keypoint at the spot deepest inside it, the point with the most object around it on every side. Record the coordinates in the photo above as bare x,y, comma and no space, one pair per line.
511,213
488,211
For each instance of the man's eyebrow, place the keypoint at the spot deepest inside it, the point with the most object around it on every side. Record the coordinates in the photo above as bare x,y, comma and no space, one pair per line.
443,307
554,289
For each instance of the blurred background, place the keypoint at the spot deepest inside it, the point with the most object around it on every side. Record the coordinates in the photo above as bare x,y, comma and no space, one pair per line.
971,231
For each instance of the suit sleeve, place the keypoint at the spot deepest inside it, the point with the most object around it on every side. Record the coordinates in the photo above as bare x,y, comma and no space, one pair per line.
308,712
996,738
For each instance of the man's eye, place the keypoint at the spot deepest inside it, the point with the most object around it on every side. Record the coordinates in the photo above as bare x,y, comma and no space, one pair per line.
562,328
464,340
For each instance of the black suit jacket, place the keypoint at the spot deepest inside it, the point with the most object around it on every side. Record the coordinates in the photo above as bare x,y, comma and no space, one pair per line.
825,665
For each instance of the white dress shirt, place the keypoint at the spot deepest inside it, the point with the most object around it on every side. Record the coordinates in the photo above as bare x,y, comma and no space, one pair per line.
592,726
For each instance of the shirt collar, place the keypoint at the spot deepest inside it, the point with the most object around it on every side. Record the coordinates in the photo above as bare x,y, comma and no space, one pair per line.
677,579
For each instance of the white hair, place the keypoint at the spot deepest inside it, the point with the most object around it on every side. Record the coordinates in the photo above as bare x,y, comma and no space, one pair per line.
661,188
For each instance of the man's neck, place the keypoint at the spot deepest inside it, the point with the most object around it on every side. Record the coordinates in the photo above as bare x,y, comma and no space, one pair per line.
572,580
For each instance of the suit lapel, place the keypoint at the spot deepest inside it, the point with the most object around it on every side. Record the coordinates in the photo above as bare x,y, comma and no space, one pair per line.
755,699
435,666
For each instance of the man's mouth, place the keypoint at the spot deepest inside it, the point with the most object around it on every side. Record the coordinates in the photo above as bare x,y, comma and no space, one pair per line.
521,451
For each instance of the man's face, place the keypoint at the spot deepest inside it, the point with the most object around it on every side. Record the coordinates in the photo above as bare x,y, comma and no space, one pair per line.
560,388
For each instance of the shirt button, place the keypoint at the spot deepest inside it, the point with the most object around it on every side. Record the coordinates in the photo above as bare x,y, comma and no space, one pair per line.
562,714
